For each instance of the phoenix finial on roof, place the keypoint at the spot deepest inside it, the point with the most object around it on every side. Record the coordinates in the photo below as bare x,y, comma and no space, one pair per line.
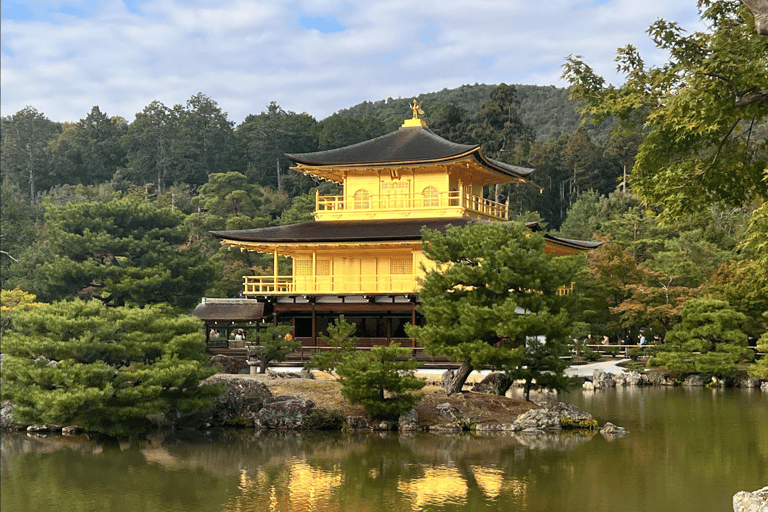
416,107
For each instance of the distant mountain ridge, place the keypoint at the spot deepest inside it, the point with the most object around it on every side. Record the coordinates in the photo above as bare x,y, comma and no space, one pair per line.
546,108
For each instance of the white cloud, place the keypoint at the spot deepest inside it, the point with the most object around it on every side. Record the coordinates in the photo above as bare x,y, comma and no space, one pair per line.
245,53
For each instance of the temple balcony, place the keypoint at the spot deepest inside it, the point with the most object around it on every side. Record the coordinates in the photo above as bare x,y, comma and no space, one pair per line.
445,204
365,284
358,284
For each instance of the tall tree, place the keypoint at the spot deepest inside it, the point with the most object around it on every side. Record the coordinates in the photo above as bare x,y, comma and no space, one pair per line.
149,142
90,152
206,142
271,134
705,110
23,160
121,252
492,289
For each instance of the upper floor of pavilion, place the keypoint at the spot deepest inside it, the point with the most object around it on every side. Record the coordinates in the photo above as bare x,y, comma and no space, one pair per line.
408,173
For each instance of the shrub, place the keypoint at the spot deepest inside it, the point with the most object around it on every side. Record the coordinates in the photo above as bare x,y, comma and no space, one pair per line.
380,380
591,355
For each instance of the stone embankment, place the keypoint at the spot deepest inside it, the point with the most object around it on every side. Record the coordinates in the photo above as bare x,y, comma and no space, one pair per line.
601,379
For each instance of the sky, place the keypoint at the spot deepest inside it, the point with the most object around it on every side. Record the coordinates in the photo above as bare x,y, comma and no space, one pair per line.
316,56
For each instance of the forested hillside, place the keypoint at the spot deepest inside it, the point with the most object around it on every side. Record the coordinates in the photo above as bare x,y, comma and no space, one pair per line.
546,109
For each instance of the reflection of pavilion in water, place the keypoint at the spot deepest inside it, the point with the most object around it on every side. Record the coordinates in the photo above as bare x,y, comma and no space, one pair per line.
300,486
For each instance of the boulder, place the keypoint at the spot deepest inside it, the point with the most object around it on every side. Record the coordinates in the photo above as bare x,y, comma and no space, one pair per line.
453,415
44,428
496,383
571,416
286,412
227,364
240,403
357,423
409,422
756,501
446,379
537,420
764,386
612,432
6,417
693,381
634,379
749,382
446,428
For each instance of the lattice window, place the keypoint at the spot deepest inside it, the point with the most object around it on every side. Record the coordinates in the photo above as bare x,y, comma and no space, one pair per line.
323,267
302,267
362,199
401,266
431,196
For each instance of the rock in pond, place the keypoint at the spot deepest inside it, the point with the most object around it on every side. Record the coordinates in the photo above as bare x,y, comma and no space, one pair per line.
756,501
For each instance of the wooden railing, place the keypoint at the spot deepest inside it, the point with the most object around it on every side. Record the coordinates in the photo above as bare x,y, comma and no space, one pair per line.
381,283
349,206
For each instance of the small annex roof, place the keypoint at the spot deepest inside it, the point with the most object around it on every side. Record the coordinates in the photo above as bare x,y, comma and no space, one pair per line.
229,310
372,231
407,146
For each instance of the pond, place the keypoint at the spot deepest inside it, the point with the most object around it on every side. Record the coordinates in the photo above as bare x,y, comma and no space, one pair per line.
689,449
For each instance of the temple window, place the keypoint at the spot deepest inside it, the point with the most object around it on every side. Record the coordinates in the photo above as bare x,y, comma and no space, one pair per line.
362,199
401,266
323,267
302,267
431,196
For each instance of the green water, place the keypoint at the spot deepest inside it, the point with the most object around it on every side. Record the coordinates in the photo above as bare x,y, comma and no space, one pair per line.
688,450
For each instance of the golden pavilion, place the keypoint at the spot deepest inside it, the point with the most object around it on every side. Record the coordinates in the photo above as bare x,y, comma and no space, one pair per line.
362,255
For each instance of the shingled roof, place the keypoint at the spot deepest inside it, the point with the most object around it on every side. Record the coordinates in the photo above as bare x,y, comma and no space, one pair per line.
343,231
408,145
373,230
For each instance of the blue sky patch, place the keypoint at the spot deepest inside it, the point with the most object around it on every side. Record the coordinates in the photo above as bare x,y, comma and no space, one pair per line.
17,11
324,24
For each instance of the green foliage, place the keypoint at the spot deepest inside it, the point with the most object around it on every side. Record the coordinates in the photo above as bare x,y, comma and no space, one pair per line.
704,111
379,380
760,368
12,301
541,366
23,162
89,152
122,252
708,340
342,340
591,355
493,289
105,369
272,344
634,354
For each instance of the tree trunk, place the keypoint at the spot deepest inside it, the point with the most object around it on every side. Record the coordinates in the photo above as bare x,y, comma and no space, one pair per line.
459,378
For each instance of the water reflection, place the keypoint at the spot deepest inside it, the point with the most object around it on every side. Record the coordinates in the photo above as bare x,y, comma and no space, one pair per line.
687,450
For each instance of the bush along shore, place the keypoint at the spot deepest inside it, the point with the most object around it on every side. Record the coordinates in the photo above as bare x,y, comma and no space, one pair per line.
299,401
302,402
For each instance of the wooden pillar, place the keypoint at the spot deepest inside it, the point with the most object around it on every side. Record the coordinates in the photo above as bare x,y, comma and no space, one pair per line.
314,325
274,264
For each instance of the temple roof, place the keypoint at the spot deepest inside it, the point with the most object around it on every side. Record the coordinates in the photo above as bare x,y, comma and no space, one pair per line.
406,146
386,230
229,310
343,231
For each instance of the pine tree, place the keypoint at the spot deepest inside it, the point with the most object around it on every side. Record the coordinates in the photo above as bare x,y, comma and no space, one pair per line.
104,369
